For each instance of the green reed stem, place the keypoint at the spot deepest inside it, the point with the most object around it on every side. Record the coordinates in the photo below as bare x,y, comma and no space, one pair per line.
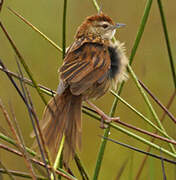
113,108
48,92
49,40
58,161
101,154
81,168
35,29
149,105
64,29
85,111
22,175
160,6
141,30
96,5
142,116
31,152
22,61
173,155
129,133
6,171
11,141
167,41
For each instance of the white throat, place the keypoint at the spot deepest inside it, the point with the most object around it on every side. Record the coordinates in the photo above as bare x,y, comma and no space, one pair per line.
109,34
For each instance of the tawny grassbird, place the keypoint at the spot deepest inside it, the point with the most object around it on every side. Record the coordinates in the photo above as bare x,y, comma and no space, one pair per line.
91,65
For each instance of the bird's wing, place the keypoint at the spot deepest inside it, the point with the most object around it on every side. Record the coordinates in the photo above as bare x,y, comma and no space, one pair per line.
84,66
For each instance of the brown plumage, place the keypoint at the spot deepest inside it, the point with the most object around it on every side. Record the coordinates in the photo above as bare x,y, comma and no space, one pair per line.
92,63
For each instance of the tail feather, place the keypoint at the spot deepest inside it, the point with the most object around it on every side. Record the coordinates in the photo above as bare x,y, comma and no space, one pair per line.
61,116
73,127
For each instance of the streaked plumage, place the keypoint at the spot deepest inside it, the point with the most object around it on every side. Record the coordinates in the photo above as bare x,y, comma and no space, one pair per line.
92,63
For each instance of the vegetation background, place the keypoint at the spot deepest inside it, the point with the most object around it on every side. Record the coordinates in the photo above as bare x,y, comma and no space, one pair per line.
151,65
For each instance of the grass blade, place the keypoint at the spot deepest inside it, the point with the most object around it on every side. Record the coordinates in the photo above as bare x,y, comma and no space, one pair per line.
138,150
155,116
60,171
58,161
31,115
22,61
141,167
141,30
35,29
157,101
160,6
21,174
64,29
133,52
1,4
121,170
81,168
163,169
6,171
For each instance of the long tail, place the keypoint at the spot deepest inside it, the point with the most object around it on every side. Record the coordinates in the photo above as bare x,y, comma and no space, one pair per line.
61,116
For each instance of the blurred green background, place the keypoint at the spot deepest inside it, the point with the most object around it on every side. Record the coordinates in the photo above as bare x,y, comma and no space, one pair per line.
151,64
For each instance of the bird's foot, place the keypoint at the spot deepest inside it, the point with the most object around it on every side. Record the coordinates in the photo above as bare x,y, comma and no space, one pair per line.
105,120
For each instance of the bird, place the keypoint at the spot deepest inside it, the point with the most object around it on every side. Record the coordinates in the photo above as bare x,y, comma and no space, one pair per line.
92,65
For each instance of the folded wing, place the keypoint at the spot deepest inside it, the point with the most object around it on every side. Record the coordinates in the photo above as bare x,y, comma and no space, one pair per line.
85,66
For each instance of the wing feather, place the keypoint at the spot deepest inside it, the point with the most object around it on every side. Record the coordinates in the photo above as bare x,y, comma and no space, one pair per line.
85,66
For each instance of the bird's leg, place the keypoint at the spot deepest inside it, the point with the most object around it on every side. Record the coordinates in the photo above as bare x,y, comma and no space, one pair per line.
104,117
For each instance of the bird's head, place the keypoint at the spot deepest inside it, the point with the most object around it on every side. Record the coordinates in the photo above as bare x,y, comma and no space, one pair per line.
99,25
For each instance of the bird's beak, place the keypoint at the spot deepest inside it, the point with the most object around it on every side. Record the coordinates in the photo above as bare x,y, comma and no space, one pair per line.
118,25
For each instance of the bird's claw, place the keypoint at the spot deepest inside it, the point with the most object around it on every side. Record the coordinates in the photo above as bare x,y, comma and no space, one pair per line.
106,119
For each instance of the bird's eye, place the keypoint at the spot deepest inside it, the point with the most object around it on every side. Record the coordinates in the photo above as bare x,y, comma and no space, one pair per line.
104,26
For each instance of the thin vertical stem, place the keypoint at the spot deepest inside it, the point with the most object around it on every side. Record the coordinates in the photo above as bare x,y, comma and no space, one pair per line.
141,30
96,5
81,168
113,108
167,40
6,171
58,160
101,154
64,29
160,6
1,3
35,29
141,167
155,116
31,114
22,61
158,101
